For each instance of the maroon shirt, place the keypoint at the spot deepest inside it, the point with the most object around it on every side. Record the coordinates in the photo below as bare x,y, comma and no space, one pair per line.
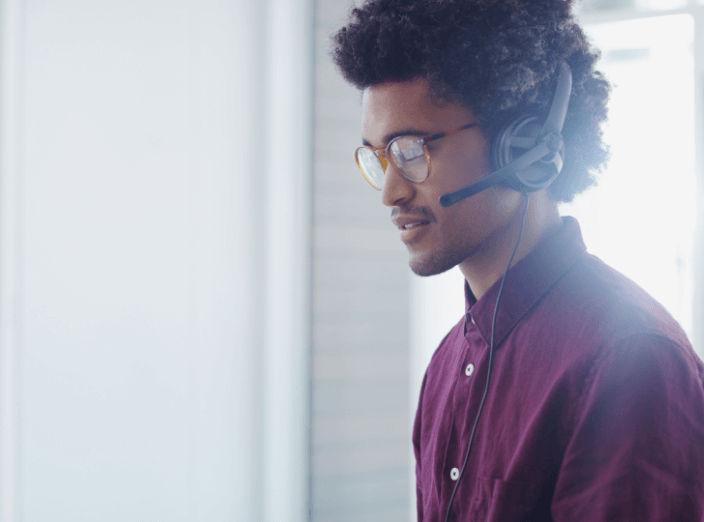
595,409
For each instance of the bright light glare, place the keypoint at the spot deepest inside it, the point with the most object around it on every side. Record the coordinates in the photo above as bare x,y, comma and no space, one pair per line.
640,219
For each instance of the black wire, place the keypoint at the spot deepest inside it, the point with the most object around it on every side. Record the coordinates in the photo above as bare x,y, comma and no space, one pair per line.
491,358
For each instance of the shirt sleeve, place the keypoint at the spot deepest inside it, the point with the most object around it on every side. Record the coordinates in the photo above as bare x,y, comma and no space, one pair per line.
637,449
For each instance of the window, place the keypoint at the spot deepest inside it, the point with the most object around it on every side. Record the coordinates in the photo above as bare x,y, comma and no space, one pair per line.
640,219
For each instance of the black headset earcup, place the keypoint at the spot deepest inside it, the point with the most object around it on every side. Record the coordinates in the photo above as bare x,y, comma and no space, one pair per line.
526,155
514,140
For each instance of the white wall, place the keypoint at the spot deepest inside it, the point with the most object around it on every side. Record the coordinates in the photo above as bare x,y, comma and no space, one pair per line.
360,466
139,371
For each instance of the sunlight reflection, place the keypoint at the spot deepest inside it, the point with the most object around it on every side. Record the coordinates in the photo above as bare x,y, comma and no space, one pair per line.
640,219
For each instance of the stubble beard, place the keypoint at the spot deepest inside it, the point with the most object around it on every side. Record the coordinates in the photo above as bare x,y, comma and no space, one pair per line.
427,264
433,261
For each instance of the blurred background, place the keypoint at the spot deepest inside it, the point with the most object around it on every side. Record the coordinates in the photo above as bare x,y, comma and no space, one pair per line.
205,313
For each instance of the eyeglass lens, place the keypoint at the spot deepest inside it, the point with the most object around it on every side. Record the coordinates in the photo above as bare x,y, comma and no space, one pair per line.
407,155
371,167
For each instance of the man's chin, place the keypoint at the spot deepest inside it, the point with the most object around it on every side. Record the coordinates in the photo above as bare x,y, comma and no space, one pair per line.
427,266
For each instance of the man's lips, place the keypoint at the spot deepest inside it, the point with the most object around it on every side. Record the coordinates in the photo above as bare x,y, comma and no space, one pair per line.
406,223
412,225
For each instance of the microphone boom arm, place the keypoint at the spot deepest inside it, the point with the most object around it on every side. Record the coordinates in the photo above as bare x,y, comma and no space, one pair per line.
523,161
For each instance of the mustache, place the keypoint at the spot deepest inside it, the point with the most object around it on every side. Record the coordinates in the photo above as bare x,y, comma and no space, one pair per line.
409,210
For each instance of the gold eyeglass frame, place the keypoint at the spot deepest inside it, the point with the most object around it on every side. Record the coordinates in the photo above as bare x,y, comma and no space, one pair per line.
384,157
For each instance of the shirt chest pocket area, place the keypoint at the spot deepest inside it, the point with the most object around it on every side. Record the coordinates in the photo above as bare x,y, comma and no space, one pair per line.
502,501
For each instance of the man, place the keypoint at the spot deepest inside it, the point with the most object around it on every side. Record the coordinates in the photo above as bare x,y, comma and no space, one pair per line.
565,393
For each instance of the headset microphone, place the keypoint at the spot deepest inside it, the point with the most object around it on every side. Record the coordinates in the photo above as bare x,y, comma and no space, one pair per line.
527,156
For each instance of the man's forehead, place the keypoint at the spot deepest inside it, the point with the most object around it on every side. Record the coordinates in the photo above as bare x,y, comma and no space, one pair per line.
413,92
411,106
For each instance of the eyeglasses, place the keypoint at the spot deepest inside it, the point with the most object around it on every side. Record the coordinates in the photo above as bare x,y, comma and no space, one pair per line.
408,154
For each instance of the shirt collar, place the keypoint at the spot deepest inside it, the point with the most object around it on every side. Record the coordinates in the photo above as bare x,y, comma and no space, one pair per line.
527,282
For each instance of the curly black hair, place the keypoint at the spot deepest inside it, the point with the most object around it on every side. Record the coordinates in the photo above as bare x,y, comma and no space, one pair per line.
498,57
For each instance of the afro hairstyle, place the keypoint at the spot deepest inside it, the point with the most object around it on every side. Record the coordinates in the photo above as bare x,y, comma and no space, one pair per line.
500,58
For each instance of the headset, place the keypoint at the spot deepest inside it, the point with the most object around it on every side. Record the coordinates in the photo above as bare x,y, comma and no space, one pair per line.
528,157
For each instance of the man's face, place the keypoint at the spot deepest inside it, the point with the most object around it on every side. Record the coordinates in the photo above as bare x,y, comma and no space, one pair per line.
437,238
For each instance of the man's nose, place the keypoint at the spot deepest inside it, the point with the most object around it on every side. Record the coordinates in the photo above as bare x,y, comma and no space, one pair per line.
396,190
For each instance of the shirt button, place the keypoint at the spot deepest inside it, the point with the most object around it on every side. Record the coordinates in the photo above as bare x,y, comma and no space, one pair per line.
469,370
454,473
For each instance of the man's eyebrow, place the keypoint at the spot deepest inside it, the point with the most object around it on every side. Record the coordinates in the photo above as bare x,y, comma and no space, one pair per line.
406,132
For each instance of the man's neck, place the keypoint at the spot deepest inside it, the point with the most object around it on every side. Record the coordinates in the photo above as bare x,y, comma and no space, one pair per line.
485,268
